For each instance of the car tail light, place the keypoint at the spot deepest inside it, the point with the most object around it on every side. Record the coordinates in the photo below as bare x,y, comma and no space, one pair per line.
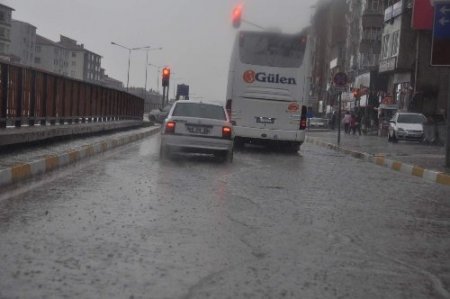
226,132
303,119
170,127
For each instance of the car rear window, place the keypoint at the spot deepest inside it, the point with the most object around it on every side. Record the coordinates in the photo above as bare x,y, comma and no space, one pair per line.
199,110
411,119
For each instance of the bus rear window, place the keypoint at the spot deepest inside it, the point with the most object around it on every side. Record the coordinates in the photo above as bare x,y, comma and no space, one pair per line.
272,49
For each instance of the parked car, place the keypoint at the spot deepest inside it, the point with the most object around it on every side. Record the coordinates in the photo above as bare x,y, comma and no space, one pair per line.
159,115
406,126
197,127
316,122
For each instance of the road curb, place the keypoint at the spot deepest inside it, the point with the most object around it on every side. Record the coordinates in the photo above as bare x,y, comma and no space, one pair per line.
414,170
22,171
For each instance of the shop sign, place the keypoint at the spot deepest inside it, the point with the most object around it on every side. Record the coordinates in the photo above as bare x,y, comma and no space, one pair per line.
388,13
397,9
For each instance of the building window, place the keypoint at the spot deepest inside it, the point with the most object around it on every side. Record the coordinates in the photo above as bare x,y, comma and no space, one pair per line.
74,54
372,33
55,62
38,49
74,63
385,46
37,60
375,5
395,45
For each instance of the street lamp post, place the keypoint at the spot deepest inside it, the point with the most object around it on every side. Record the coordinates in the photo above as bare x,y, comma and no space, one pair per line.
147,64
129,57
158,71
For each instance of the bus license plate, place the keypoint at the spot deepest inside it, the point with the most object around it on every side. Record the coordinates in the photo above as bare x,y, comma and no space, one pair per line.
265,120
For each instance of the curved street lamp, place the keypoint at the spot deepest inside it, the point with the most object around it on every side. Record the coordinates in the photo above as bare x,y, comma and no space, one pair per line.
129,56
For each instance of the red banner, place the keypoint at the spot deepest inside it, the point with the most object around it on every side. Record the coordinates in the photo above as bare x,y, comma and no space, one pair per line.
422,15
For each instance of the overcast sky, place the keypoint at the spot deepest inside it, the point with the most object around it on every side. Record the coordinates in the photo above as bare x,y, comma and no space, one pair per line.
196,35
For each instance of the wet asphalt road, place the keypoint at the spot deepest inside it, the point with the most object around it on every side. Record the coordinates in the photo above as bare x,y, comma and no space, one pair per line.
271,225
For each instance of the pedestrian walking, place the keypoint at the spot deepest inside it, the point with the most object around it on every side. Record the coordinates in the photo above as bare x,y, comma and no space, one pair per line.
352,123
355,124
358,124
333,120
346,121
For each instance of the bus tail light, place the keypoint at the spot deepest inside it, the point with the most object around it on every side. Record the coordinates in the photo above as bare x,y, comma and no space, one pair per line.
303,119
228,107
226,132
303,123
170,127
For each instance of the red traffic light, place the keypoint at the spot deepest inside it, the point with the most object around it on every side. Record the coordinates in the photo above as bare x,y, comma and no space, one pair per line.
166,72
237,16
165,76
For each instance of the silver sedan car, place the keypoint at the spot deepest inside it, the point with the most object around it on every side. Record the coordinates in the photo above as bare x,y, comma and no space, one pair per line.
197,127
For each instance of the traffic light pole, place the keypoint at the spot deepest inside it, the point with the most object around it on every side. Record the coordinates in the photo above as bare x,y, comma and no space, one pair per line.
164,96
447,144
167,93
339,118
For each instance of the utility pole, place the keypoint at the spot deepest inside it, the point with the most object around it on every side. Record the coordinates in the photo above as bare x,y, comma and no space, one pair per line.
340,81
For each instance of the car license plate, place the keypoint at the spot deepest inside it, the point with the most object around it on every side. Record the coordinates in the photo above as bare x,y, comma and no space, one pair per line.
198,130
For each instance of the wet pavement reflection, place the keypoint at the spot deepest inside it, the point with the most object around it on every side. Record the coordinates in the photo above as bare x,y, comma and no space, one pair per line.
317,224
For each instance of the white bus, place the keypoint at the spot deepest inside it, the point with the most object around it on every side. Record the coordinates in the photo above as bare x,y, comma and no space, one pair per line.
265,84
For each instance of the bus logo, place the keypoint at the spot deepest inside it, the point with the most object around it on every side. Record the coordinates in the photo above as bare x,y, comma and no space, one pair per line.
249,76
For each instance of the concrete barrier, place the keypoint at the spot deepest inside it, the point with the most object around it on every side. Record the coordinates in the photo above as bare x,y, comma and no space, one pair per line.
11,136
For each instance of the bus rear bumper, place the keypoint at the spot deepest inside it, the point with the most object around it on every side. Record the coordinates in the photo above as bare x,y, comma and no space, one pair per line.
269,135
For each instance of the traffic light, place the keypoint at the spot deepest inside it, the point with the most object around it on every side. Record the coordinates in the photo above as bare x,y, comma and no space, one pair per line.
165,76
237,16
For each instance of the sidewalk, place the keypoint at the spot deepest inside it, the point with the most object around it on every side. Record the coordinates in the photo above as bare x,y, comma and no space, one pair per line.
430,157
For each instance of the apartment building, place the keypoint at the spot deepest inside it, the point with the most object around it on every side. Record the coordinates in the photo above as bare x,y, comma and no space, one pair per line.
328,38
83,63
5,31
23,42
76,57
412,83
51,56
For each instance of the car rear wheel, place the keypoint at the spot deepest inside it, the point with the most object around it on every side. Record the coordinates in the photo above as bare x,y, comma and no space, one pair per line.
238,143
163,152
294,147
225,156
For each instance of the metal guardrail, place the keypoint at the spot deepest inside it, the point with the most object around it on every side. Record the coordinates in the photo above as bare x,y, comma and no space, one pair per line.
30,96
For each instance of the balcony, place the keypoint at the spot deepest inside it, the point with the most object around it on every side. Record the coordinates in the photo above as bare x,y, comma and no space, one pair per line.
368,61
